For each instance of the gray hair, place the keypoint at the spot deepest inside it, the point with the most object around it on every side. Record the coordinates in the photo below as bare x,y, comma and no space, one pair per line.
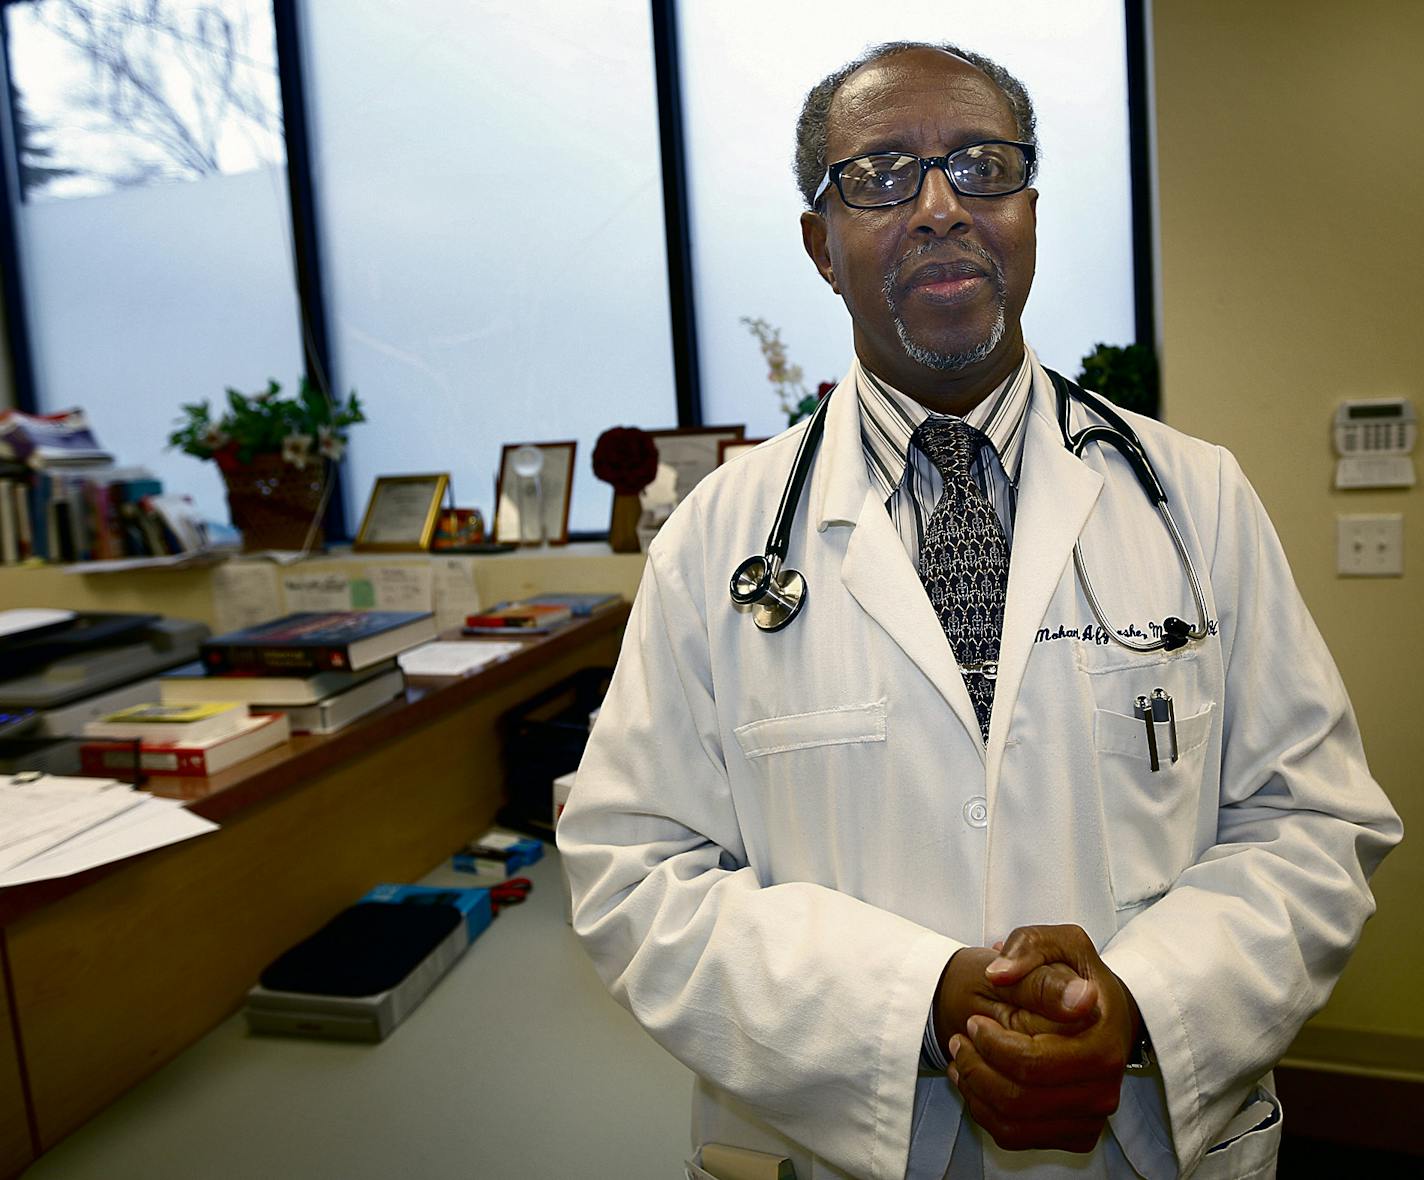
810,162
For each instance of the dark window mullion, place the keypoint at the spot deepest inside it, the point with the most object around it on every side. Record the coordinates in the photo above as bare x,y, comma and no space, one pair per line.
17,320
316,346
676,221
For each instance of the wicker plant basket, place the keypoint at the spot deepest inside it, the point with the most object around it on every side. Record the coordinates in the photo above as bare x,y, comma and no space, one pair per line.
273,503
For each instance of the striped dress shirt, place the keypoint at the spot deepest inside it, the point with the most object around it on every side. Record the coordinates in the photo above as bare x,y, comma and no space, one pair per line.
909,483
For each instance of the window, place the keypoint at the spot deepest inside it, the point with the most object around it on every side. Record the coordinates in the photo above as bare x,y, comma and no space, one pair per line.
746,68
490,193
489,203
154,231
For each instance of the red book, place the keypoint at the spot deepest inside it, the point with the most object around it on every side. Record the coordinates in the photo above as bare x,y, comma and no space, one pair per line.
519,616
107,759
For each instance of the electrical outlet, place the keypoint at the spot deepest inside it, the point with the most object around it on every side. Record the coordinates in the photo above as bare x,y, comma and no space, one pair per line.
1370,546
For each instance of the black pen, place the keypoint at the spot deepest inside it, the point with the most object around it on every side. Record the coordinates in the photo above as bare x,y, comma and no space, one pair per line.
1144,711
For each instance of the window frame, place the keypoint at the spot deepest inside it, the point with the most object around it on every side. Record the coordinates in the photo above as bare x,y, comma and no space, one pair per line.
306,230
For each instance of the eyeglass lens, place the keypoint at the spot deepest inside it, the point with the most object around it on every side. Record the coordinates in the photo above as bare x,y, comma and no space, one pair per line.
982,169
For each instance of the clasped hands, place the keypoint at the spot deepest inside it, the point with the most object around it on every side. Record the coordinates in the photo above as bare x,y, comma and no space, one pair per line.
1039,1031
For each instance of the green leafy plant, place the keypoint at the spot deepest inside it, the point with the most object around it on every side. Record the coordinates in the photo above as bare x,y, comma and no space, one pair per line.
1127,375
300,428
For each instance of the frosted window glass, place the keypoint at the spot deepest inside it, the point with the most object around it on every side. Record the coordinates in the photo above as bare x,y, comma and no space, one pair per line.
489,186
746,67
144,293
115,93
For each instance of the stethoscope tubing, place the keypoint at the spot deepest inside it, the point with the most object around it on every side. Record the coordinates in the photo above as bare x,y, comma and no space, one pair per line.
1125,441
777,597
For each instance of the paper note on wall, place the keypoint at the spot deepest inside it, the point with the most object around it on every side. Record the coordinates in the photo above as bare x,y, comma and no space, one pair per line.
318,592
244,595
400,587
454,591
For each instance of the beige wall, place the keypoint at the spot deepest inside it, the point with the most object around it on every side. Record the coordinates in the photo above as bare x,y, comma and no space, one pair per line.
1286,285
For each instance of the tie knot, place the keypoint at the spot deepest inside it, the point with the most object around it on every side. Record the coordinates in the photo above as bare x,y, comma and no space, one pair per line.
951,444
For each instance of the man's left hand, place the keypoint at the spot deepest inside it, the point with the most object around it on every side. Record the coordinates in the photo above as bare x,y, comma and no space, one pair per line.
1048,1090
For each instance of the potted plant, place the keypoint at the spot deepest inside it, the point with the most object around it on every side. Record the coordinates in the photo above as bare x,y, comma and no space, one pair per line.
1125,374
275,454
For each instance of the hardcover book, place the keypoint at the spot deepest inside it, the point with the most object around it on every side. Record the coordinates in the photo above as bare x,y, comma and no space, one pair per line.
313,641
192,682
337,712
256,735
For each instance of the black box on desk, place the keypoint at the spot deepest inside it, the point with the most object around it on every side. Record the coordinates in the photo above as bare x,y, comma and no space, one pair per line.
543,738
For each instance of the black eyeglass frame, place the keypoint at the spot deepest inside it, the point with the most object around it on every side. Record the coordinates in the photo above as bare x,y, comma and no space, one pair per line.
833,173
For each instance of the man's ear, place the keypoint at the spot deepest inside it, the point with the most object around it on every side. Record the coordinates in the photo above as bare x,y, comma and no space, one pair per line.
813,237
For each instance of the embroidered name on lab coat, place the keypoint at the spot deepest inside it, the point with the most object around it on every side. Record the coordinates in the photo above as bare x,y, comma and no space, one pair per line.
1096,634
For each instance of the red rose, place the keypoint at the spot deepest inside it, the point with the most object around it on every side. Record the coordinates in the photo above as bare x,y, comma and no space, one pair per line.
824,388
627,458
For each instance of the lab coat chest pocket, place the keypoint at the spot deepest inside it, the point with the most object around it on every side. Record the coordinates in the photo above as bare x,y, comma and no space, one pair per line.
823,748
1151,818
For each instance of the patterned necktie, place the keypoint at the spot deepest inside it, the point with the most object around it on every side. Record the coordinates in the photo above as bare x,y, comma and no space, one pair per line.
964,559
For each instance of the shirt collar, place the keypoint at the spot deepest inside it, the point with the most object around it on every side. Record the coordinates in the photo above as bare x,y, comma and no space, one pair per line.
888,418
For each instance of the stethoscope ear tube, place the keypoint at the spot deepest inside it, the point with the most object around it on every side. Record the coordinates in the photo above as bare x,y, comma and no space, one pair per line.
780,537
1175,632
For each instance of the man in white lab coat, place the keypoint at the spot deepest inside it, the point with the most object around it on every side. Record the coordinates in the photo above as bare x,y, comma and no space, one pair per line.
794,852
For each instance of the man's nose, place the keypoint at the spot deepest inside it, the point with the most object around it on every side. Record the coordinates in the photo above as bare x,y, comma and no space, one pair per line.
939,210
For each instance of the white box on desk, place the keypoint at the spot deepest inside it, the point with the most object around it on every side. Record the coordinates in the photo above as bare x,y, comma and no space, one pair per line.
562,786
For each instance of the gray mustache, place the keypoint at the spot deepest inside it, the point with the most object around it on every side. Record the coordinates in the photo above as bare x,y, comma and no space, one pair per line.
937,247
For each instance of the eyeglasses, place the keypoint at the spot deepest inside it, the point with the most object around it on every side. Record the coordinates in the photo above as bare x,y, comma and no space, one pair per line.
994,168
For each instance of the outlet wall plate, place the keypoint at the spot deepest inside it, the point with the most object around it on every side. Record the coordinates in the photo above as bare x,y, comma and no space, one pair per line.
1370,545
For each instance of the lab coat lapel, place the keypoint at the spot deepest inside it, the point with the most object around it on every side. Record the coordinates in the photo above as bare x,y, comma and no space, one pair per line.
1057,497
876,570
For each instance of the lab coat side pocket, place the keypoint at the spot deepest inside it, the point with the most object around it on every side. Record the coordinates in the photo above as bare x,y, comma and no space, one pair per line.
1149,816
1249,1144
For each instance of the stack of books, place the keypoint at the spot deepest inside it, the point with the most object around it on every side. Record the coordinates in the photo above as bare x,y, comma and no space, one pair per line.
539,614
198,738
319,671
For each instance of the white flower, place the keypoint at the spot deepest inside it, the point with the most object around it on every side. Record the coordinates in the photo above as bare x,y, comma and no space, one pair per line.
329,443
296,449
213,438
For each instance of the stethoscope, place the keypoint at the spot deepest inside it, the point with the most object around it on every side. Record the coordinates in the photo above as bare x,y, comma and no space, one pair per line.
776,595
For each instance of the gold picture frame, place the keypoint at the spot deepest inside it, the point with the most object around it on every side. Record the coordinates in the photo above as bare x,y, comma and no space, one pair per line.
401,513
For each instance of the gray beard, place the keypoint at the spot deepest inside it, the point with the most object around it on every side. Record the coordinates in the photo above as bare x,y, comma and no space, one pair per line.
950,362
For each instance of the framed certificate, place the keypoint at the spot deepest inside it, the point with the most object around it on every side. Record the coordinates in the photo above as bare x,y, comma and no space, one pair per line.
532,493
693,451
402,513
730,448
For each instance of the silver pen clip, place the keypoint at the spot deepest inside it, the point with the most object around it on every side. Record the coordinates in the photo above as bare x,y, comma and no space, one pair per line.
1143,711
1163,710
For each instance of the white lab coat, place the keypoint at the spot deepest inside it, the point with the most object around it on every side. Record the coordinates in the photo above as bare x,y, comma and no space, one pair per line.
776,841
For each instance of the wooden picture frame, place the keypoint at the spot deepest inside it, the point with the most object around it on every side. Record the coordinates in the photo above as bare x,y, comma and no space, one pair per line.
730,448
693,451
401,513
557,483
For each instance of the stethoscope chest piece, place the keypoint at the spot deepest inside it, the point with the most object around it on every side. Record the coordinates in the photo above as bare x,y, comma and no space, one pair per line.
775,595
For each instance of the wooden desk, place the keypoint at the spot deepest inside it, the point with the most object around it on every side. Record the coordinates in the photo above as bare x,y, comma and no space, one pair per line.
110,973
